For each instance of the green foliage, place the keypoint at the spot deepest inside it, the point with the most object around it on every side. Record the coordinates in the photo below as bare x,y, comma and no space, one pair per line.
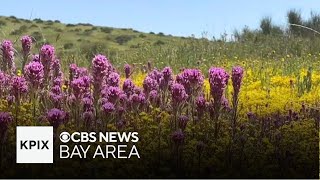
106,29
22,29
142,35
122,39
158,43
68,46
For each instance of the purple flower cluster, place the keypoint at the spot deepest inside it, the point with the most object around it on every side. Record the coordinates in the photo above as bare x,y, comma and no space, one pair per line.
178,93
56,117
111,93
191,79
26,42
218,79
8,56
36,58
150,84
237,75
108,107
56,69
47,54
18,86
80,86
56,95
178,137
34,74
5,120
127,70
128,87
183,120
100,65
137,98
4,82
113,79
46,58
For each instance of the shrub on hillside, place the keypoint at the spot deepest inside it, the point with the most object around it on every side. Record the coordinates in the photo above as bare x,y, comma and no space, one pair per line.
122,39
68,45
106,29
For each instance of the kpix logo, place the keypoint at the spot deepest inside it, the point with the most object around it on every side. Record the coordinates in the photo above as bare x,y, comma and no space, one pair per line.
34,144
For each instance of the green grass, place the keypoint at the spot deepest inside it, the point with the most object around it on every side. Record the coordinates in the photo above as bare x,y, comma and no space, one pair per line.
78,43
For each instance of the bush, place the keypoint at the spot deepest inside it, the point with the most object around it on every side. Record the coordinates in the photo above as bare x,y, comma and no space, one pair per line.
68,45
122,39
90,49
142,36
70,25
106,29
57,21
161,34
151,32
2,23
37,36
38,20
84,24
158,43
19,31
33,26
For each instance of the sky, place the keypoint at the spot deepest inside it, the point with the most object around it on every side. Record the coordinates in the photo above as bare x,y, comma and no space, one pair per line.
176,17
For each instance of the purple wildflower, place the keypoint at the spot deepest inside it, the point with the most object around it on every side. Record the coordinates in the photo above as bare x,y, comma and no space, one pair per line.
128,86
8,56
182,121
18,86
154,97
237,75
56,69
112,94
138,99
113,79
36,58
149,84
218,79
56,117
108,107
178,137
201,103
5,120
46,58
4,81
26,42
100,66
80,86
191,79
178,93
127,70
47,54
34,74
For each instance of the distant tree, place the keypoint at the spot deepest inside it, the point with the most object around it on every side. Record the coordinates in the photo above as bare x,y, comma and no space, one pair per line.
266,25
294,17
160,34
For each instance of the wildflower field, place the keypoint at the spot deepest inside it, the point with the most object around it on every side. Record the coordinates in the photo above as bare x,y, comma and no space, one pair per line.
229,118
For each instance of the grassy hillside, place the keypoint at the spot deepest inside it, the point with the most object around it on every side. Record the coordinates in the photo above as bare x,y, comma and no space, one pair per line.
79,42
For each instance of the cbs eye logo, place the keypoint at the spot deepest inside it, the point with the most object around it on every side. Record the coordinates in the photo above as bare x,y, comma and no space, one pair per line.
64,137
